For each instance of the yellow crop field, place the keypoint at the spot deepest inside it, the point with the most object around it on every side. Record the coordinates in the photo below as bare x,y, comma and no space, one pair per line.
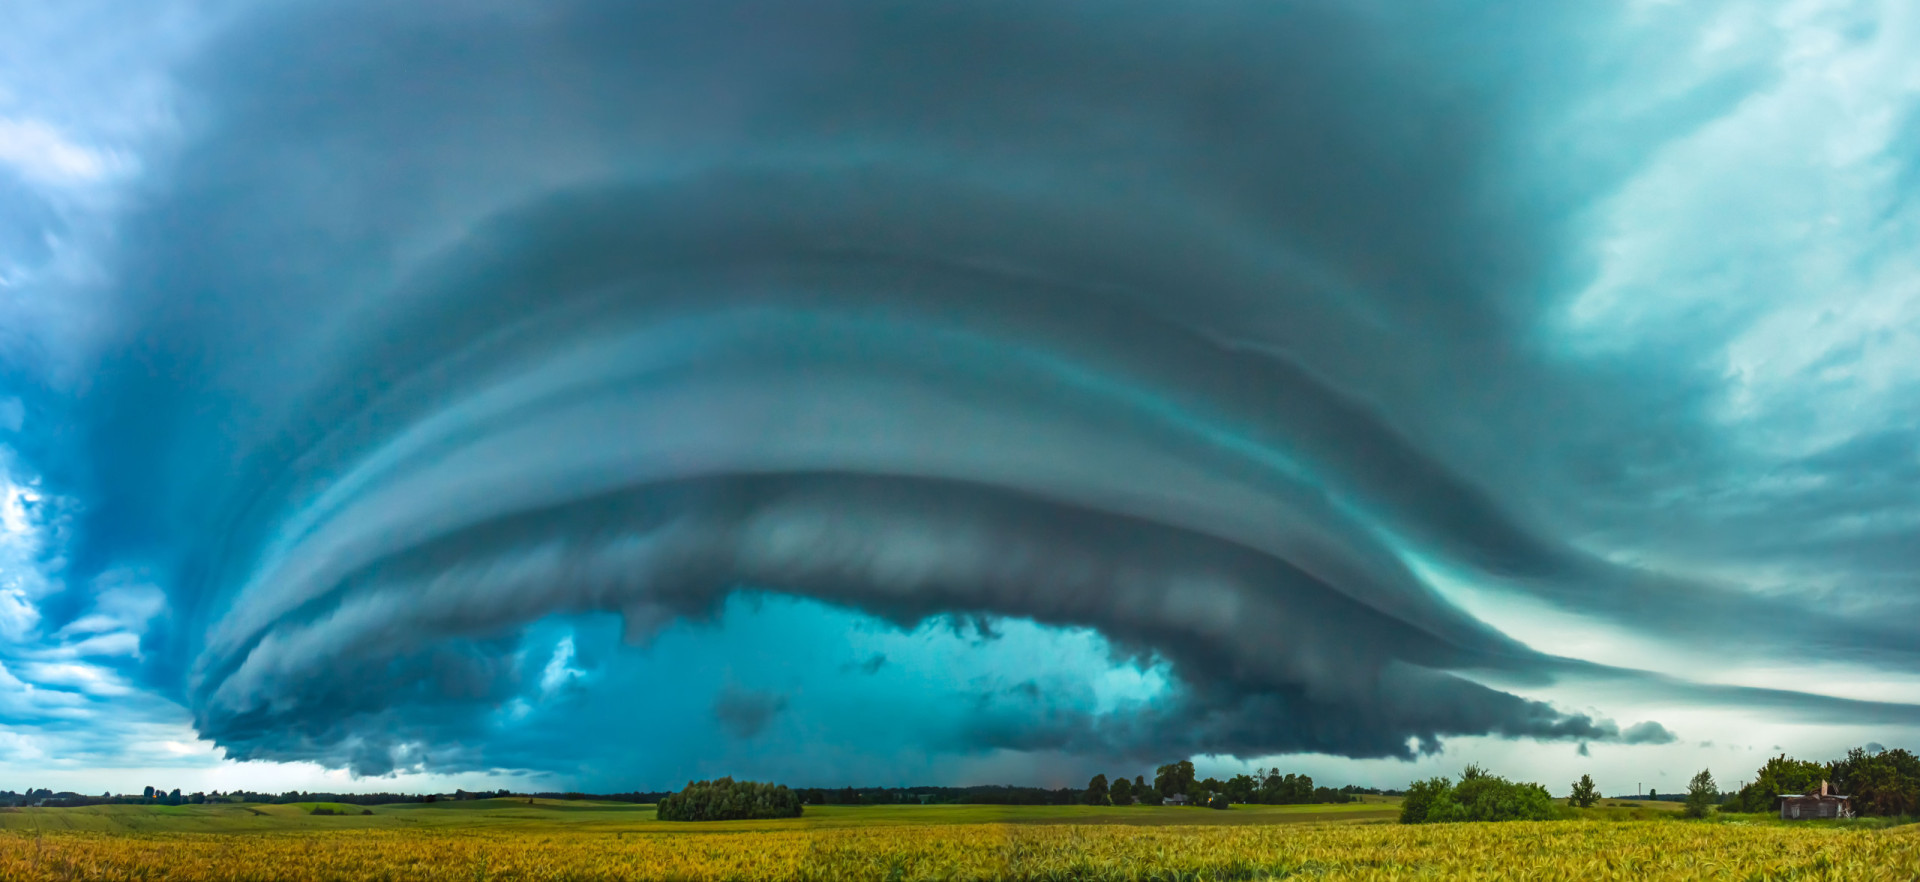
1569,850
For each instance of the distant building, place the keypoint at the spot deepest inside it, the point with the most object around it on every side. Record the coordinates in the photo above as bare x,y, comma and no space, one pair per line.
1177,799
1807,806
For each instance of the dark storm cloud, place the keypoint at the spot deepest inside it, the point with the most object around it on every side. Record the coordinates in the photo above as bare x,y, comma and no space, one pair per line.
1191,326
746,713
1648,732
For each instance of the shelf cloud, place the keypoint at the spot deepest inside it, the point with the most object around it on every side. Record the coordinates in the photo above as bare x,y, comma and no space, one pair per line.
1226,330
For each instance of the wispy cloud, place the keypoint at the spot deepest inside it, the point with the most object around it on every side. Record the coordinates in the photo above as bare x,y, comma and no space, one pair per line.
39,152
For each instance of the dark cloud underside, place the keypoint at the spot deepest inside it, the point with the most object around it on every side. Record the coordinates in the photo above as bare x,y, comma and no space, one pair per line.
1195,325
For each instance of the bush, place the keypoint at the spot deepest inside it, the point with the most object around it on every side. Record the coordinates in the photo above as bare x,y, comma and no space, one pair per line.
728,800
1478,797
1421,798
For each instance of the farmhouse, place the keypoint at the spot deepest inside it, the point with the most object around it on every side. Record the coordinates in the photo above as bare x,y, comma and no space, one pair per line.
1799,807
1176,799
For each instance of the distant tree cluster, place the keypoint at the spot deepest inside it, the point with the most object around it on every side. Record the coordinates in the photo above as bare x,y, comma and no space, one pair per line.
70,799
1479,796
1876,782
725,799
1266,787
1273,788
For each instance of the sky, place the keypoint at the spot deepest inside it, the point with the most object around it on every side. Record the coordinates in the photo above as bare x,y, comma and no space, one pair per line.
599,396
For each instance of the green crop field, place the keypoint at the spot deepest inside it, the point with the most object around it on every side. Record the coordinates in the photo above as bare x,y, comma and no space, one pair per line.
507,839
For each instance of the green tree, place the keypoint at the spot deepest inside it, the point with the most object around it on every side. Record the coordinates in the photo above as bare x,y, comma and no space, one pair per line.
1121,792
1278,789
1779,775
1097,790
1702,793
1240,789
1173,778
1429,801
1884,782
1479,796
725,799
1584,794
1486,797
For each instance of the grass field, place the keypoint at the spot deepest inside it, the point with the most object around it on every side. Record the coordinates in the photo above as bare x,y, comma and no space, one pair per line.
514,840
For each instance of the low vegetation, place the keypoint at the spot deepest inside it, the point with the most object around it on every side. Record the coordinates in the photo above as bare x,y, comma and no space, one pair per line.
1479,796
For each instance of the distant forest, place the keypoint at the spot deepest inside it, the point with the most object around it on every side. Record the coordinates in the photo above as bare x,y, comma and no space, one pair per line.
1268,786
1878,782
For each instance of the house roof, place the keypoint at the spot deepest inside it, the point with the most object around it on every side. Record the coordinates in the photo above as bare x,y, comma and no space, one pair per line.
1811,796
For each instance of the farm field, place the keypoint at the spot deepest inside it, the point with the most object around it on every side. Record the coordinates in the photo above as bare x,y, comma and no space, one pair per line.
579,842
544,815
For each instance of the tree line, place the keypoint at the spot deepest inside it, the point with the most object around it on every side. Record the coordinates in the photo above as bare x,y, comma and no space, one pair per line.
1875,782
1481,795
1266,786
1174,782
